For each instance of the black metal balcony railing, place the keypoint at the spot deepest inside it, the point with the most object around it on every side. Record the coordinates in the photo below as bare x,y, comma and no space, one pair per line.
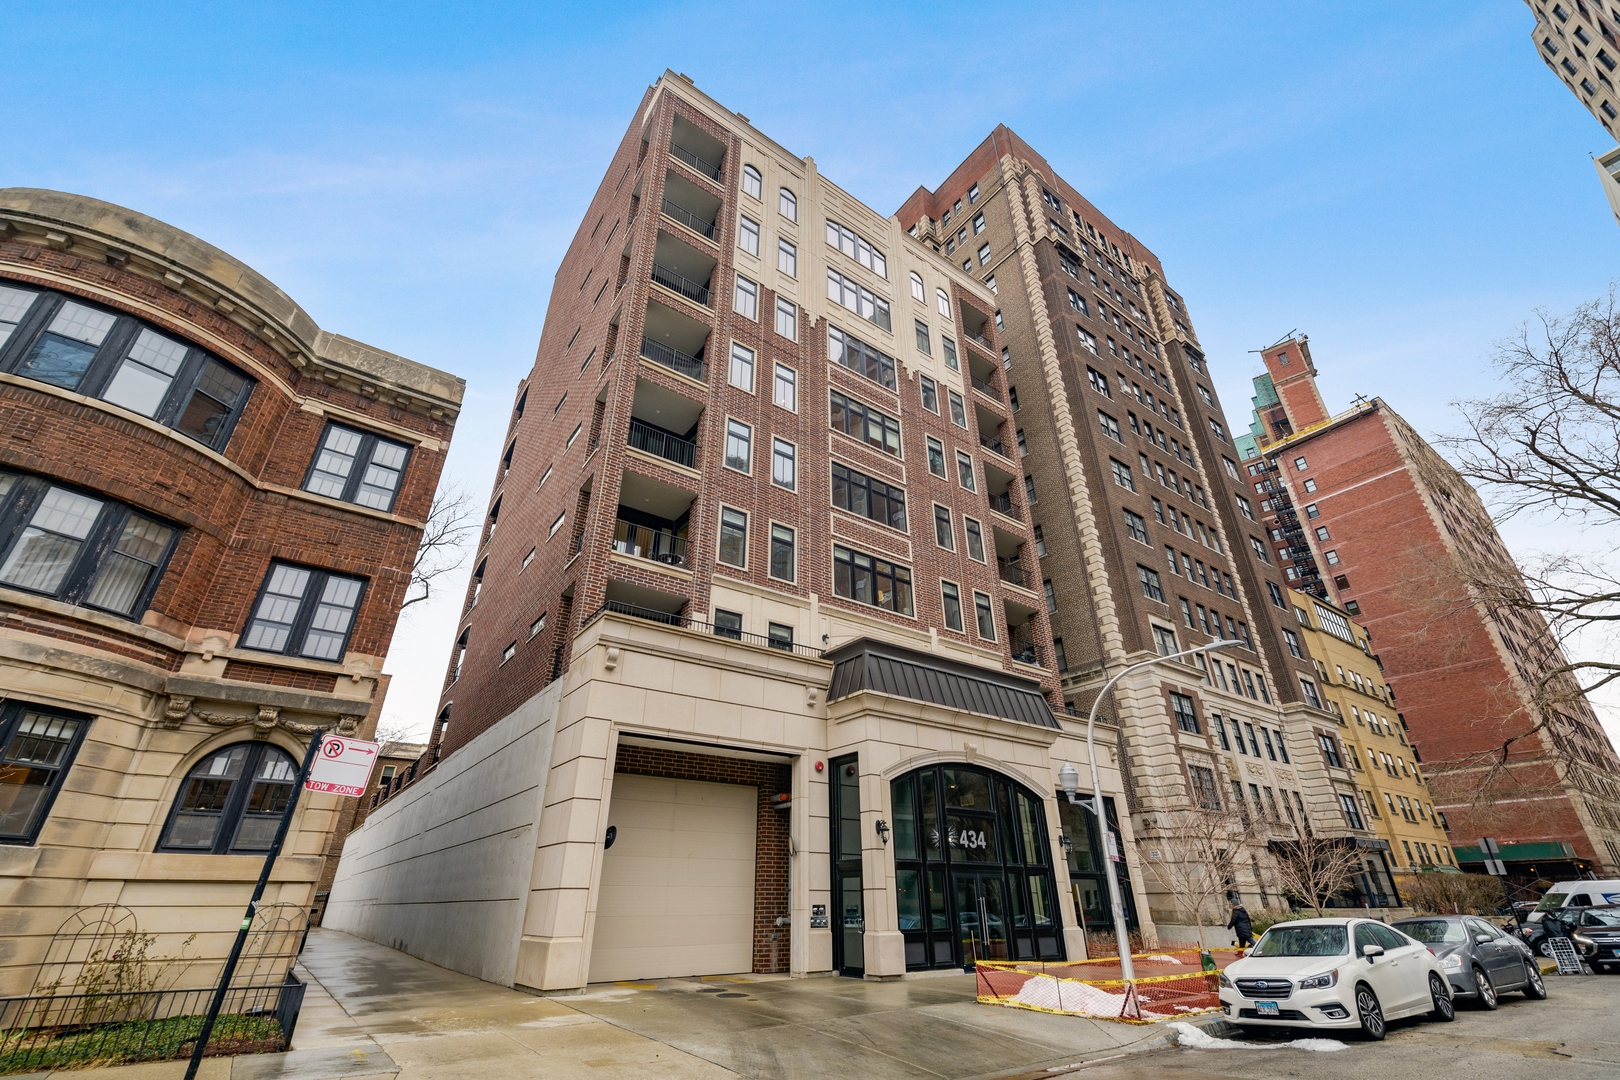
994,445
979,339
654,545
676,212
667,619
688,288
1012,571
673,358
1004,504
1021,643
651,440
984,387
709,169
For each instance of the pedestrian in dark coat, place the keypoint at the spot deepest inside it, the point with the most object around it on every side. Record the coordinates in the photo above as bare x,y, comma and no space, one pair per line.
1240,925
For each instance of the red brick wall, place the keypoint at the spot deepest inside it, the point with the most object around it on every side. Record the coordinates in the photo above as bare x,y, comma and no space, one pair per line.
770,842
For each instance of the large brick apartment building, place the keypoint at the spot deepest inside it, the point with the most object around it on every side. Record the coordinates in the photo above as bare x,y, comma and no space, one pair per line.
209,509
1360,509
805,548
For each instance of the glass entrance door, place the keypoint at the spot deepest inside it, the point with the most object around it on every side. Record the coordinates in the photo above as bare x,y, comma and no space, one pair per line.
981,918
849,907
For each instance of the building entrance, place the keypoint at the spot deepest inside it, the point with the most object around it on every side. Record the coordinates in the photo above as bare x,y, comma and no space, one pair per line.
849,907
973,870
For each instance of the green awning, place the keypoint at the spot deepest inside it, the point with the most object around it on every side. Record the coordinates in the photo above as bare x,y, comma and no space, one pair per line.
1555,849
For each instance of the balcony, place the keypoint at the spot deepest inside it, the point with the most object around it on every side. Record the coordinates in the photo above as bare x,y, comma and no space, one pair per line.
678,213
675,340
688,288
692,146
645,542
995,446
660,443
689,205
1013,573
1022,645
680,267
666,618
984,386
1002,503
669,356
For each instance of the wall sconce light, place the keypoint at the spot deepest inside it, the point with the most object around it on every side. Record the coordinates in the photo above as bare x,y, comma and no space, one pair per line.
1068,845
883,831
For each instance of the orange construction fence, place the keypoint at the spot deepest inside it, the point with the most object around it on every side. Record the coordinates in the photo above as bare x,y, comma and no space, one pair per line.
1168,985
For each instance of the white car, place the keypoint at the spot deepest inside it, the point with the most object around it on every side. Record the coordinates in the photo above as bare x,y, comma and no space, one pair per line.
1335,973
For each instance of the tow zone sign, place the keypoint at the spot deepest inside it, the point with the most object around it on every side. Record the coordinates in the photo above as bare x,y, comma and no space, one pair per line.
343,767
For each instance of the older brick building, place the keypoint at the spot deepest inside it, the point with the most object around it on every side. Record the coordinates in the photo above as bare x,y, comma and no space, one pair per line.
209,508
1362,510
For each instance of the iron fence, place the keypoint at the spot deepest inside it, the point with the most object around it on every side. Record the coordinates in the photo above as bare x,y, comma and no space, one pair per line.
660,443
676,212
656,545
688,288
668,619
707,168
672,358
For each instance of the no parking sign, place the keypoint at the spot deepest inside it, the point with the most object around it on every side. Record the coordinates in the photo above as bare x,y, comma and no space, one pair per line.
343,766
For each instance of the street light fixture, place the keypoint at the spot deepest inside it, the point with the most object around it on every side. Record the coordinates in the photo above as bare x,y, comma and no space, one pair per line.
1069,779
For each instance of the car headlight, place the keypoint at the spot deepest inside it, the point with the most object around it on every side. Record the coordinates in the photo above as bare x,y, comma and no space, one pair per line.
1452,962
1320,982
1582,940
1224,981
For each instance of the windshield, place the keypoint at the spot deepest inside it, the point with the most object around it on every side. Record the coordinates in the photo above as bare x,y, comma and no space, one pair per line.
1302,941
1601,918
1435,931
1552,901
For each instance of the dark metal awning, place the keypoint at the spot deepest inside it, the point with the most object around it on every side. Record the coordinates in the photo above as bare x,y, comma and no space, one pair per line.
885,668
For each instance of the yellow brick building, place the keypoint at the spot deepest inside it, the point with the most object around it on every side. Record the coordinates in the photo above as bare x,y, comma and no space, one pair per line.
1394,795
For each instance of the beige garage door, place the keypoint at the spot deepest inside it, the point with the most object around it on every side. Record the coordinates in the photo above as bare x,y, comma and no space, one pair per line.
677,893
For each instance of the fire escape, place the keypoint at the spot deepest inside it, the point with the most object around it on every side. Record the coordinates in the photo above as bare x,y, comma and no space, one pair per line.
1293,533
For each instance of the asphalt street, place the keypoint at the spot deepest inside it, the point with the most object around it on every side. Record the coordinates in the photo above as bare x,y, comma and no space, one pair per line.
1573,1035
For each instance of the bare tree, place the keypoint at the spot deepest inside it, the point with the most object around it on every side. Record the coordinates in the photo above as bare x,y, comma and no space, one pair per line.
1201,851
442,549
1450,894
1314,868
1550,447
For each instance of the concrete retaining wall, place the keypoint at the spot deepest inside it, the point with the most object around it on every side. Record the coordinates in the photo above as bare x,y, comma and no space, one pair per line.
442,870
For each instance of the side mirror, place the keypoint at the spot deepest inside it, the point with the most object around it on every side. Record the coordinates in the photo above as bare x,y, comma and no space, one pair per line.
1371,951
1482,939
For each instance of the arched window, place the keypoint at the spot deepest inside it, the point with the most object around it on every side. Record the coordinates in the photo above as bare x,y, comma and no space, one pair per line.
752,184
231,801
917,292
788,205
943,301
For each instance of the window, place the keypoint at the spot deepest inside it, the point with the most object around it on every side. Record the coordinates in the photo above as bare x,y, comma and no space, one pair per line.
1062,657
1099,381
787,205
1259,549
1088,339
751,183
741,371
784,469
733,537
1151,588
917,292
785,391
864,423
748,235
543,478
857,248
231,801
538,625
787,258
1012,397
1231,467
1040,542
958,409
986,618
944,534
739,446
787,318
1187,720
1310,485
953,605
1352,813
1165,641
1029,490
973,195
930,393
984,254
964,471
975,538
780,636
37,747
1215,426
860,357
1311,695
868,579
1245,508
1122,474
942,302
745,301
1051,595
304,612
1023,446
48,338
78,548
375,484
922,337
728,624
1292,640
509,652
936,457
782,545
949,348
573,435
1136,526
1334,623
1110,426
869,497
527,559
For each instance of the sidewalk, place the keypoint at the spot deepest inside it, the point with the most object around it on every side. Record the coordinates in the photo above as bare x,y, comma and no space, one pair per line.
373,1012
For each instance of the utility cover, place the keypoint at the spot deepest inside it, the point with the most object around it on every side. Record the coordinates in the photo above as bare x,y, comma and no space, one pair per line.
343,767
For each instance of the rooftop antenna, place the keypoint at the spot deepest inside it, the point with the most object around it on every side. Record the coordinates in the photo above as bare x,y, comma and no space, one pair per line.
1286,337
1359,400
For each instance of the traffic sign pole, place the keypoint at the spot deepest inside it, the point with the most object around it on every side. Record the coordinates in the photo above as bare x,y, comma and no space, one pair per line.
253,905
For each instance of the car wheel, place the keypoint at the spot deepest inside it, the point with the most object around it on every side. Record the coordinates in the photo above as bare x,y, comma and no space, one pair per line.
1370,1013
1544,947
1534,988
1445,1010
1487,992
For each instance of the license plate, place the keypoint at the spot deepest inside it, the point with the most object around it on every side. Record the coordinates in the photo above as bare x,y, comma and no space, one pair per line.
1265,1008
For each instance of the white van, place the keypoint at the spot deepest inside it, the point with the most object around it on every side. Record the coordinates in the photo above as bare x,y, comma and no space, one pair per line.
1578,894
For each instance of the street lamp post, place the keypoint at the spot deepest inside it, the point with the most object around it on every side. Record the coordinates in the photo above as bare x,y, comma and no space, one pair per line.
1069,778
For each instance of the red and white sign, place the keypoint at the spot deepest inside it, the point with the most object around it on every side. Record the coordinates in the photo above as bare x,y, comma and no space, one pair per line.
343,766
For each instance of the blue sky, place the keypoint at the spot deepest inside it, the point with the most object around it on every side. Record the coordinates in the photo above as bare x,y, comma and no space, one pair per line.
1404,183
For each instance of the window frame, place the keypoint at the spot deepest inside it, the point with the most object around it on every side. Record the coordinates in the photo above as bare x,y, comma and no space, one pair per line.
787,251
306,611
792,458
793,553
753,183
748,227
787,319
945,601
11,714
720,537
894,565
748,440
369,441
942,517
792,383
235,809
752,292
853,478
787,204
983,609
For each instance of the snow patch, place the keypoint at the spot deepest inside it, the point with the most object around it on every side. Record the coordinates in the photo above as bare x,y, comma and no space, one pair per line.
1197,1039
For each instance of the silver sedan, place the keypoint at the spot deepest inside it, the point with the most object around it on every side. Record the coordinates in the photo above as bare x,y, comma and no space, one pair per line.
1480,961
